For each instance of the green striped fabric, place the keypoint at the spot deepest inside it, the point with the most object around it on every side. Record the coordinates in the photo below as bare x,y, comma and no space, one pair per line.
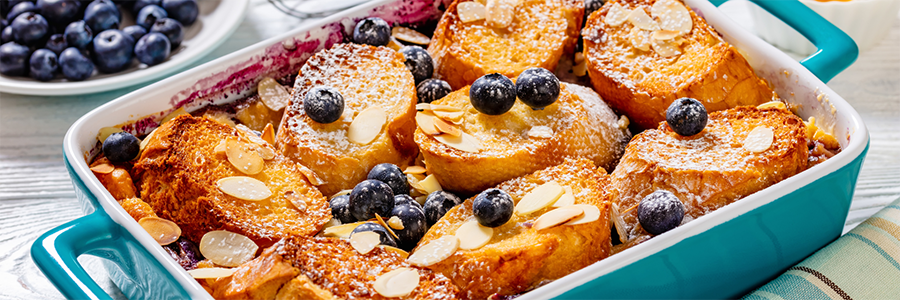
862,264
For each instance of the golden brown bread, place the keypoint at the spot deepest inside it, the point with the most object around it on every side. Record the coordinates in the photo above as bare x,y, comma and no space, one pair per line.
178,171
642,84
366,76
711,169
260,278
518,257
513,144
540,33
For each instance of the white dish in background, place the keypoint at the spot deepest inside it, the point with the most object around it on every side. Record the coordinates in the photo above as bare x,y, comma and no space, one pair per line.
217,21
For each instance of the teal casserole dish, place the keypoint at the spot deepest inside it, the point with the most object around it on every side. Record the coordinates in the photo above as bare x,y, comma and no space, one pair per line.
724,254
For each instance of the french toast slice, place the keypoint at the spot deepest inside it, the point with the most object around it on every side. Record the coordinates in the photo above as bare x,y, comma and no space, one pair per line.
540,33
711,169
366,77
179,170
642,83
523,140
518,257
322,268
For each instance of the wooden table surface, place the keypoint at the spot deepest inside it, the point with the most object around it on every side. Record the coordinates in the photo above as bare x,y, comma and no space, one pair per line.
36,194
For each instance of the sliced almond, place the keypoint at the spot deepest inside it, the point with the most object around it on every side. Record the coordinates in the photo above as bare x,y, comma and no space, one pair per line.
211,273
414,170
618,222
163,231
539,198
311,176
268,134
446,108
226,248
500,13
295,199
243,187
399,251
772,105
473,236
423,106
579,57
414,182
759,139
266,152
434,251
409,35
465,142
341,231
395,223
365,241
449,115
567,198
105,132
173,114
393,43
664,35
273,94
470,11
672,16
556,217
591,214
447,128
639,39
421,199
430,184
147,139
385,225
678,40
666,48
425,121
104,168
544,132
220,147
341,193
240,156
580,69
367,125
397,283
616,15
250,135
639,18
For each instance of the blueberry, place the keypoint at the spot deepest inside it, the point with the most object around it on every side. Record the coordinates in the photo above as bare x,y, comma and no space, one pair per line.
149,14
323,104
79,34
372,31
371,197
492,208
404,199
30,29
340,209
101,15
185,11
392,176
14,59
57,43
6,35
113,51
21,8
413,218
44,64
537,87
140,4
152,48
493,94
418,61
135,32
75,65
438,204
171,28
432,89
660,211
686,116
386,238
121,146
60,11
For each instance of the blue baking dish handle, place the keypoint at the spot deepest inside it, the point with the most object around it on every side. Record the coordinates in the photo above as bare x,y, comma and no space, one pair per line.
837,50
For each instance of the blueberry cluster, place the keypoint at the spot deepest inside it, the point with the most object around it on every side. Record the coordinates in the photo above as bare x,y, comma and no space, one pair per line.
44,38
495,94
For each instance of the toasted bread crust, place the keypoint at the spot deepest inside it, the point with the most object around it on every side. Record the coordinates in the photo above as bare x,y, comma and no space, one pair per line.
582,126
178,172
642,84
260,278
541,32
711,169
366,76
517,258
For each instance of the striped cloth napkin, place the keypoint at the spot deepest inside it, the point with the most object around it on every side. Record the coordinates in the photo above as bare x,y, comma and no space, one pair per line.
862,264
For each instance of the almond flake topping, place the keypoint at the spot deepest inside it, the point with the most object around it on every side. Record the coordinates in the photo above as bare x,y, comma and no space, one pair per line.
399,251
341,193
430,184
364,242
470,11
220,147
568,198
616,15
397,283
544,132
414,170
500,13
434,251
423,106
104,168
452,116
409,35
341,231
226,248
446,108
640,19
672,16
772,105
163,231
393,43
473,236
465,142
557,217
266,152
273,94
311,176
250,135
240,156
245,188
591,214
384,224
639,39
268,134
447,128
618,222
367,125
211,273
395,223
295,199
425,120
539,198
759,139
105,132
146,139
664,35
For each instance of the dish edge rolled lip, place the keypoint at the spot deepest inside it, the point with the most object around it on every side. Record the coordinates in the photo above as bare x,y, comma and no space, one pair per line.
125,108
